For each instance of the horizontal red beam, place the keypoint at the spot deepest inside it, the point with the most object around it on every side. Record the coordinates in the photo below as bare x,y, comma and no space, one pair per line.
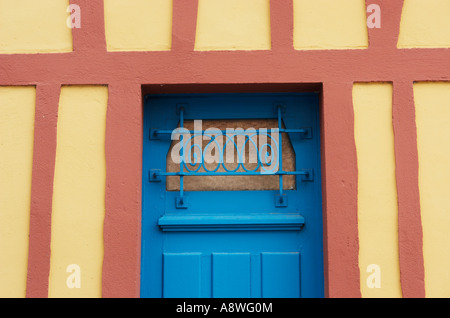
224,67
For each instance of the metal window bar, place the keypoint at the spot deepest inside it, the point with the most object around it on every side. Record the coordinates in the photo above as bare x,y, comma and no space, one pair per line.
180,200
280,201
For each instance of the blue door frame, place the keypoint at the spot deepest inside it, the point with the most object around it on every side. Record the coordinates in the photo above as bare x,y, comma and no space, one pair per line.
261,243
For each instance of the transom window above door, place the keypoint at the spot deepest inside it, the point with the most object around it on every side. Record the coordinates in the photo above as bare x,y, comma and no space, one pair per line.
238,152
238,145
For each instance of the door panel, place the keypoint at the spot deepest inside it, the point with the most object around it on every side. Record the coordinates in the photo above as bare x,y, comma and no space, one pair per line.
242,243
231,275
280,275
182,275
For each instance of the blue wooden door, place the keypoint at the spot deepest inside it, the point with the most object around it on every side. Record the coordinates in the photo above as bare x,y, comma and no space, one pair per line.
231,241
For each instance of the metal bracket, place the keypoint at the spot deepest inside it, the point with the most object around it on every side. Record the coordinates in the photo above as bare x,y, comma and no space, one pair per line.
181,202
181,106
153,135
282,105
281,200
307,134
154,176
308,175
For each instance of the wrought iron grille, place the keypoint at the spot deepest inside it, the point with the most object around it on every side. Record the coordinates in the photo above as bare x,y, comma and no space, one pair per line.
192,155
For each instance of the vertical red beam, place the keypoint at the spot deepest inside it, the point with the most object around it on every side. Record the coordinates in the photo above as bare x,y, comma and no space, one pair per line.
184,25
91,34
45,127
340,187
122,225
385,38
410,233
282,24
407,175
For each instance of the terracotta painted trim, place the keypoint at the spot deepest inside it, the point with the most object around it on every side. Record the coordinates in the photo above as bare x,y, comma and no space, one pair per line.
410,235
282,24
184,25
90,37
122,225
385,39
340,192
262,66
44,152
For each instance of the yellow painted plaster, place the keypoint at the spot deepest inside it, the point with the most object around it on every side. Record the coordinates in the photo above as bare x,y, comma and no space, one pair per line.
432,102
377,192
330,24
425,24
79,192
17,109
233,25
138,25
31,26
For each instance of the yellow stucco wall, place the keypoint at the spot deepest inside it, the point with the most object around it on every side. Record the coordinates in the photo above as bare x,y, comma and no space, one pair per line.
138,25
79,193
17,108
377,192
250,29
425,24
319,24
30,26
432,102
330,24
